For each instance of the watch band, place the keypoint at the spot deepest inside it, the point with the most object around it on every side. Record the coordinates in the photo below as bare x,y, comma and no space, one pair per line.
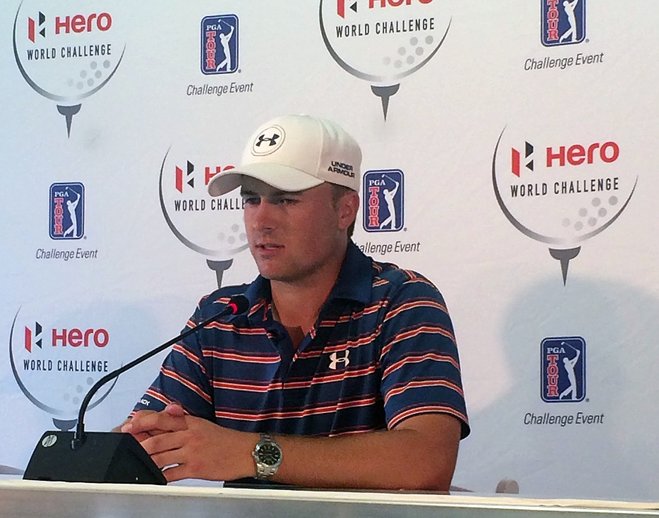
267,456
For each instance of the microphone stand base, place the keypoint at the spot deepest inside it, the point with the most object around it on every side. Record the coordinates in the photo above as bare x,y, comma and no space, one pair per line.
102,457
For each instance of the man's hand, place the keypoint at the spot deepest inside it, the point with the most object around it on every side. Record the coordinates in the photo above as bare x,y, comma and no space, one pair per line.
419,454
191,447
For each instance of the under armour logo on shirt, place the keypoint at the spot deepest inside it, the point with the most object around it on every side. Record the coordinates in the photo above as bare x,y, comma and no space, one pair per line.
335,359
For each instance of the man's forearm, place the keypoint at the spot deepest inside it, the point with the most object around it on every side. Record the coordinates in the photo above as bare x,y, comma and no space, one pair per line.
420,454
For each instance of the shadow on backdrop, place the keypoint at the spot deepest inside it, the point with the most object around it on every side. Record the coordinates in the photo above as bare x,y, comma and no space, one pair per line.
614,458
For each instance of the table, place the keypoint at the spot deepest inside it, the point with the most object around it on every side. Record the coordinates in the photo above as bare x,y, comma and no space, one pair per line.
26,498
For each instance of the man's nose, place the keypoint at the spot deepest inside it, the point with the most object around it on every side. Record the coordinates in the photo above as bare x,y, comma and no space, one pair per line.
263,216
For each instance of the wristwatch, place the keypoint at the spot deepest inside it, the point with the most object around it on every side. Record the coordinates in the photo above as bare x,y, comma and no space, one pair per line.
267,455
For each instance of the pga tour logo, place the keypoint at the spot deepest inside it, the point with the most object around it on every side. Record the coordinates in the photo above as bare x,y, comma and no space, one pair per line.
219,44
563,369
66,211
563,22
383,195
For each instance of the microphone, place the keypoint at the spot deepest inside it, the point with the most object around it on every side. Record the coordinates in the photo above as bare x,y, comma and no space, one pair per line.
111,457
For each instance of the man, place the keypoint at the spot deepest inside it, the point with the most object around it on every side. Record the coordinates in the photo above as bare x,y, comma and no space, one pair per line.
343,372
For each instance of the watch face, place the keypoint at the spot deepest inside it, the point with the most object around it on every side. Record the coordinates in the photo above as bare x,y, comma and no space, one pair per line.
269,454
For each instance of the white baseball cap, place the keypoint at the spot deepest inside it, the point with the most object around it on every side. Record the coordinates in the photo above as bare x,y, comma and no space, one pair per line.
293,153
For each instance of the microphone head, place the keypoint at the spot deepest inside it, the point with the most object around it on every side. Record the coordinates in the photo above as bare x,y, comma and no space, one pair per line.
238,304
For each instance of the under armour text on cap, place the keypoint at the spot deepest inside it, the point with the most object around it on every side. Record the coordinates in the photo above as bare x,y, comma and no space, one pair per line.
293,153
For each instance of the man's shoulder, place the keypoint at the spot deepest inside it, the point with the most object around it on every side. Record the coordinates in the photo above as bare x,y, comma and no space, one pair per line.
222,296
392,277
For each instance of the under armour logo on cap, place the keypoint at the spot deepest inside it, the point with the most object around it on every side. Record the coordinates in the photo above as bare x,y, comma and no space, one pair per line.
271,140
273,136
293,153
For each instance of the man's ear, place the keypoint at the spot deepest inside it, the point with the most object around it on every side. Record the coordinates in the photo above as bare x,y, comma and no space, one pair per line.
348,206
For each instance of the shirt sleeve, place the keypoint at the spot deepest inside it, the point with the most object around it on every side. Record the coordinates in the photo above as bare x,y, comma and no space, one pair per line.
183,377
419,356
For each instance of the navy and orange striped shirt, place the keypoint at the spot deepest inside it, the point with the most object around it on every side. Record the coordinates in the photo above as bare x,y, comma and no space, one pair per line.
382,350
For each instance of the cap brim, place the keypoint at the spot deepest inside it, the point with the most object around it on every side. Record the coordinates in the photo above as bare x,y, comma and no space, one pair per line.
280,177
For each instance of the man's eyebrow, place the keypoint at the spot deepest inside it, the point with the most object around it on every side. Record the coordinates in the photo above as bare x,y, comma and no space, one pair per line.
273,194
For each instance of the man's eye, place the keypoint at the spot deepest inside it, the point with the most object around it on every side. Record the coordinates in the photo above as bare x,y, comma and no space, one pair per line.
251,200
287,201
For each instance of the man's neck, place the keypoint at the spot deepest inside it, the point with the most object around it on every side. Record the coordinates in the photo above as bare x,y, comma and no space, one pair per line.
298,304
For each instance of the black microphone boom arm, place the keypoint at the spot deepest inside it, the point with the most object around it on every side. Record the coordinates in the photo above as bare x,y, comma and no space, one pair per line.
106,456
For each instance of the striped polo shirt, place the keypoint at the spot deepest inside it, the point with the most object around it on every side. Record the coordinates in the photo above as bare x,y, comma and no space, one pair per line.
381,351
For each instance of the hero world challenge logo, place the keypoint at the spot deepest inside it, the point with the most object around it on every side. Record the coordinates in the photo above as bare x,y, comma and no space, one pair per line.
384,200
67,211
563,22
210,226
564,193
563,370
66,56
54,366
219,44
382,41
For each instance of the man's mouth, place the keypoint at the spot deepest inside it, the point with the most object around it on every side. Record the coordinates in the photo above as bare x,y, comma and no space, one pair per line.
268,246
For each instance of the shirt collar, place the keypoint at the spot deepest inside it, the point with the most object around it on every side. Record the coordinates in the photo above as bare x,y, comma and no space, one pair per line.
353,283
355,277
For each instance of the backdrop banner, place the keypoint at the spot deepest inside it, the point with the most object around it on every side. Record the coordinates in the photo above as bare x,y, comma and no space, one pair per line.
509,156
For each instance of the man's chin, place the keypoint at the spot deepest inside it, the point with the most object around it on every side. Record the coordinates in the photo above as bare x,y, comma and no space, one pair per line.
273,276
279,276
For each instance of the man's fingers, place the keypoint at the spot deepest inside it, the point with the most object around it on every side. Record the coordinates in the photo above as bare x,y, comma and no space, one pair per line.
165,442
175,410
141,436
176,473
167,458
154,423
168,453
